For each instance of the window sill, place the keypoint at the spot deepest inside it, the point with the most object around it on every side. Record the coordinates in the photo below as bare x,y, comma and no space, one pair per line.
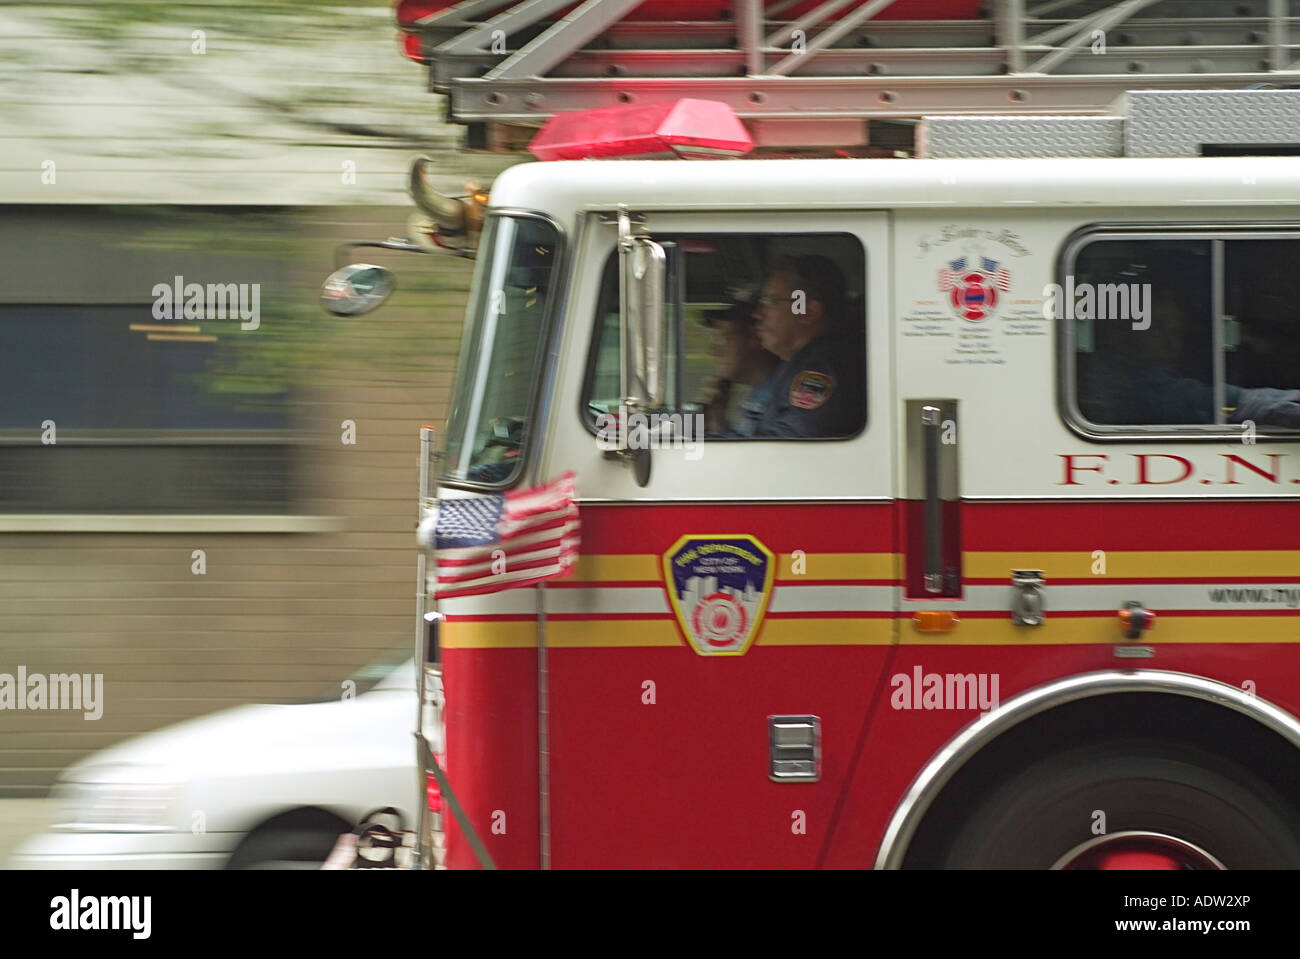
164,523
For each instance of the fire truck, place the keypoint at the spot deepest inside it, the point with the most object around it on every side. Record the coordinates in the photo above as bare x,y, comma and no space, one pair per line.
1029,598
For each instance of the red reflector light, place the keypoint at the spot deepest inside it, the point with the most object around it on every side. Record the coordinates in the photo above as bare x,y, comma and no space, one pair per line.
686,128
412,48
433,793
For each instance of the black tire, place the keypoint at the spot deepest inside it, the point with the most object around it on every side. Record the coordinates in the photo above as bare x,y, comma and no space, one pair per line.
285,848
1033,819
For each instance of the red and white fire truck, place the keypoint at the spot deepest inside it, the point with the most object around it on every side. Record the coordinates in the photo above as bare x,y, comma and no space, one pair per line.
1031,599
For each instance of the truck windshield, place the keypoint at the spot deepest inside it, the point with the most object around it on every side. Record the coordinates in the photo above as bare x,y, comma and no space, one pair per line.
500,360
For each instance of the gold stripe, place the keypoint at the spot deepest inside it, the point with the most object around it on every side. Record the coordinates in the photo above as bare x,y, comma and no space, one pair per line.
472,635
599,568
1102,629
840,566
1124,564
578,634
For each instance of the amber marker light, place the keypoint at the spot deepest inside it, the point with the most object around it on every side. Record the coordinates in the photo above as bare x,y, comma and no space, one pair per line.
935,620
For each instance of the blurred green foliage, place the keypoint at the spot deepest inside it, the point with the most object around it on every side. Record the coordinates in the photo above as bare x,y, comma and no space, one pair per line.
297,344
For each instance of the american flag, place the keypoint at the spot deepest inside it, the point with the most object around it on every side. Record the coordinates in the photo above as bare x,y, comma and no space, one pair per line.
1001,278
490,543
951,274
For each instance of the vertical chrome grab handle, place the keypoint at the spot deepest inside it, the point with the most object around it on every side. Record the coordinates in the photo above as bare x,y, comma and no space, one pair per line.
933,508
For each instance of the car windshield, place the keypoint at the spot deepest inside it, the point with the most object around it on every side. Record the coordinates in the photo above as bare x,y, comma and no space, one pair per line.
389,672
502,353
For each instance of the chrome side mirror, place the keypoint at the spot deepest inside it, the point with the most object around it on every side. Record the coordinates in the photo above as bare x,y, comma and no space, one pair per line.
642,264
356,289
641,267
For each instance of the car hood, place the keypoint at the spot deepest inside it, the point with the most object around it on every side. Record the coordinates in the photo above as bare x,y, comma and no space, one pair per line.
245,738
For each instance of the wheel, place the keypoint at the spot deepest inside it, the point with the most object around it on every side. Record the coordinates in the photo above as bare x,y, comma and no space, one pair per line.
285,848
1165,806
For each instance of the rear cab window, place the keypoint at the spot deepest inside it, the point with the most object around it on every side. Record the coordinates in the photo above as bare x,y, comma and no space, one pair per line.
1180,332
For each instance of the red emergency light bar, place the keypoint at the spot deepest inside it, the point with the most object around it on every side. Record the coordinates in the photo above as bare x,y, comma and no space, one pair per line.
696,129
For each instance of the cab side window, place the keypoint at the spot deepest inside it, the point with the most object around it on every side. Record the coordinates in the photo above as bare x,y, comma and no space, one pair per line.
1154,345
767,336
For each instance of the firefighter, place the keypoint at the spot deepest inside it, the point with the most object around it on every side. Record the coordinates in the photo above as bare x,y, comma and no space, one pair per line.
741,360
1138,379
817,389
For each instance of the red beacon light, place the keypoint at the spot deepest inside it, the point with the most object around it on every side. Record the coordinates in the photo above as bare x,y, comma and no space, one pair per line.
691,129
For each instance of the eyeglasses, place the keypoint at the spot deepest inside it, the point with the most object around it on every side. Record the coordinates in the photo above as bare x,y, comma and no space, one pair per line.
774,300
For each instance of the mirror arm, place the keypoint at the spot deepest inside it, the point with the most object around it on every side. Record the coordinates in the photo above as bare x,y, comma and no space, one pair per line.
392,243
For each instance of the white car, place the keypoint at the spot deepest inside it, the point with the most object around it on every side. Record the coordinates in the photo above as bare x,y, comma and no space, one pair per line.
248,787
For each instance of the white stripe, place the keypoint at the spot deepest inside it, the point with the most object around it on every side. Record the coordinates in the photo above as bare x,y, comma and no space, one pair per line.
849,599
504,603
598,602
785,599
1110,597
795,599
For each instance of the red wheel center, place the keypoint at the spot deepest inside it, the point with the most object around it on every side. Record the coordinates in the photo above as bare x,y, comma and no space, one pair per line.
1138,849
1135,859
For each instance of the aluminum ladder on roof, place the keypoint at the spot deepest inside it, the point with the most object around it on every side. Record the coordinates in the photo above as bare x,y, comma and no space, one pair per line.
510,62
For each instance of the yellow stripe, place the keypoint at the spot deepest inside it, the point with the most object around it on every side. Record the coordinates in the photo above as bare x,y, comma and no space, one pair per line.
508,635
597,568
611,632
839,566
1074,630
1122,564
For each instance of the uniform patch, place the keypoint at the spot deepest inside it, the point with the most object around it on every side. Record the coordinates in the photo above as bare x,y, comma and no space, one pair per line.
809,390
719,586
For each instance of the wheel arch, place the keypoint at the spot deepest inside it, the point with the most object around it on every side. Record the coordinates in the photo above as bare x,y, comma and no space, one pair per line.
1172,692
297,818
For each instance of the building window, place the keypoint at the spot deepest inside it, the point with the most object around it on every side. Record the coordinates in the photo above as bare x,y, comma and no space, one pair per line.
105,409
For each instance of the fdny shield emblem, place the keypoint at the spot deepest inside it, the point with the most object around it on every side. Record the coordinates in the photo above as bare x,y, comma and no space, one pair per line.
719,586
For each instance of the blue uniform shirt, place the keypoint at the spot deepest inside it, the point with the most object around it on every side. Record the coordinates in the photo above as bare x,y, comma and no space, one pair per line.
817,392
751,409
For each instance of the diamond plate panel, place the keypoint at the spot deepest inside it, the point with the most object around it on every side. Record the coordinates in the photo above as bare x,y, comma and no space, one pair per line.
944,137
1166,123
